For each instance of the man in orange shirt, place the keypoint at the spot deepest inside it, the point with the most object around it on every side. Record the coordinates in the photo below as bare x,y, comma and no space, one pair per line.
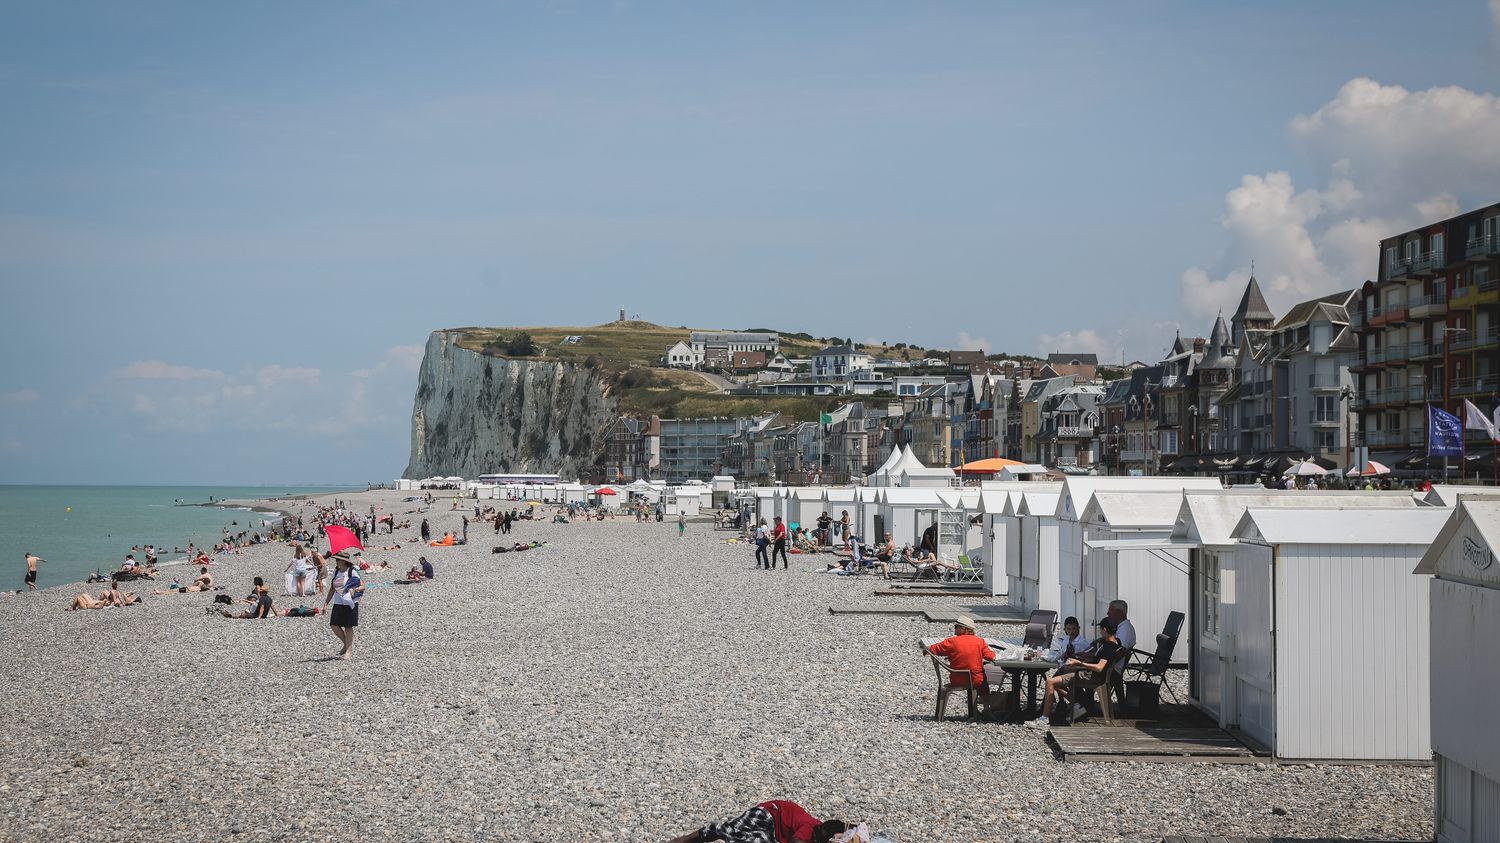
965,651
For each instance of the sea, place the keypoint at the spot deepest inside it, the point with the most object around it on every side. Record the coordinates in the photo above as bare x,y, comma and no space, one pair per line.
81,529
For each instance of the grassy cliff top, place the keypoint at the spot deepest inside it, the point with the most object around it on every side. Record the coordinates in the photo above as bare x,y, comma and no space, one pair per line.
620,346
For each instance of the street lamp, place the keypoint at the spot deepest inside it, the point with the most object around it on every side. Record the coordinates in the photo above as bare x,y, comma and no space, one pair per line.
1347,396
1114,437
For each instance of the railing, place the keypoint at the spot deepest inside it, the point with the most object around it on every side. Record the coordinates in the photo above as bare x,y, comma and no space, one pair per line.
1075,432
1315,417
1426,348
1395,353
1482,246
1397,268
1434,300
1489,337
1471,385
1489,284
1322,381
1430,262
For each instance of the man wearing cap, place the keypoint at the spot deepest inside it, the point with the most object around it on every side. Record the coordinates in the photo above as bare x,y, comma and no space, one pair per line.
965,651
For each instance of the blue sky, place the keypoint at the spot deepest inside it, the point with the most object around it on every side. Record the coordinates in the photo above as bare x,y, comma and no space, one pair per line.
226,230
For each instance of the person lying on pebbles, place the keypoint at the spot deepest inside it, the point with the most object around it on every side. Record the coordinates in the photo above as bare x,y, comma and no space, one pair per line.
775,821
259,600
110,597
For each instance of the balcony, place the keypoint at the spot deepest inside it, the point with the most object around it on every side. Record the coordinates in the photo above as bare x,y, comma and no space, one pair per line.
1475,294
1394,314
1357,319
1482,248
1482,384
1429,264
1317,381
1317,419
1426,349
1075,432
1396,353
1398,269
1379,438
1427,307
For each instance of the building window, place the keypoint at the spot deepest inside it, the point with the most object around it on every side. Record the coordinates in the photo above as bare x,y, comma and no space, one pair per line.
1327,408
1208,594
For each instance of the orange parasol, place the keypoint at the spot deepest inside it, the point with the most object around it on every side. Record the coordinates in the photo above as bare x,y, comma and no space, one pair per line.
991,465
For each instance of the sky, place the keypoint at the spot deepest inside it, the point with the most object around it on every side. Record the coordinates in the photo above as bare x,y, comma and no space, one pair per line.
226,230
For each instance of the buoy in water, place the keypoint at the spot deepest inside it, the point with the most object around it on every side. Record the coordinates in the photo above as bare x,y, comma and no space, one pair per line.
70,509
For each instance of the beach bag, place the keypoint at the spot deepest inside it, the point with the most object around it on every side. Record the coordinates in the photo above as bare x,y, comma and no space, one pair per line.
301,612
222,598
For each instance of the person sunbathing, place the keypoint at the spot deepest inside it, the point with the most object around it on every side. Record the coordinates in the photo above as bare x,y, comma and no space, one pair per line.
391,547
203,582
260,600
86,601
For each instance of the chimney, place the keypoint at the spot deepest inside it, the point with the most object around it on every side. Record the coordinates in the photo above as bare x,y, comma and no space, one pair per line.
1198,344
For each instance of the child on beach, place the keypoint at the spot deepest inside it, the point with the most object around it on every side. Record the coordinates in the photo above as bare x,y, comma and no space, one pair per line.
681,524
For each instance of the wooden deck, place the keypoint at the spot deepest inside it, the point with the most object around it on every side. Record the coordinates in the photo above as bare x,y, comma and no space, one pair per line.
936,613
1151,742
1180,839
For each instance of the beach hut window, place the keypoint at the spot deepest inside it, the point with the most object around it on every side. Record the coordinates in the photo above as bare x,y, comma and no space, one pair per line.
1208,595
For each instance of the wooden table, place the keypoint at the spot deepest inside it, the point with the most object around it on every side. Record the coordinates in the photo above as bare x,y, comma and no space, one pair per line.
1032,669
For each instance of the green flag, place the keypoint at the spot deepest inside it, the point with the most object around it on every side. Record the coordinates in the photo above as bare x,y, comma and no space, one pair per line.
824,418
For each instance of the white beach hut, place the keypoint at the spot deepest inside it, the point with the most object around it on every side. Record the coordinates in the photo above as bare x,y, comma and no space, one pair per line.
804,505
1022,472
1000,536
1302,577
1153,581
1077,493
682,500
765,502
1031,573
1203,531
573,493
904,513
1465,614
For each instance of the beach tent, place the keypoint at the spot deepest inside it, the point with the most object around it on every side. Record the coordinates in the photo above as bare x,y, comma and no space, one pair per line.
572,493
879,476
1300,575
1465,607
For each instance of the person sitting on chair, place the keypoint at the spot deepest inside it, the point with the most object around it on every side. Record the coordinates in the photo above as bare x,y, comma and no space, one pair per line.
1105,650
966,651
1124,629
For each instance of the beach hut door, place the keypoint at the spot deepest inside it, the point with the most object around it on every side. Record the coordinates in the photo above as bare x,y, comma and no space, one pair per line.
1250,589
879,531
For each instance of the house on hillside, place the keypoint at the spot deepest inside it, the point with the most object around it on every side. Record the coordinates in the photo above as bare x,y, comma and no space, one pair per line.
746,362
716,357
839,361
732,341
681,356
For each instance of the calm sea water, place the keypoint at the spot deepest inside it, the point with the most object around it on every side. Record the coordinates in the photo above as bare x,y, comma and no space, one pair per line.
79,529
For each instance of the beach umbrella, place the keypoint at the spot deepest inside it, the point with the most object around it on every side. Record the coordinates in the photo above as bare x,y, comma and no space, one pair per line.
991,465
1369,469
1306,468
605,491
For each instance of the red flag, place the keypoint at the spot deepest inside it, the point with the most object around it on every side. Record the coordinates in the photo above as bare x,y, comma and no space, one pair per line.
340,538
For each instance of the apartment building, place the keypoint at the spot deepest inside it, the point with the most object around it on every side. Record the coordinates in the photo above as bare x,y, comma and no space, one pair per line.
1426,330
693,449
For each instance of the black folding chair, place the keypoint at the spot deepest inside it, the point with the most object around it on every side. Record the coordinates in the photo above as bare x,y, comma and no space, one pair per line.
1040,628
1153,666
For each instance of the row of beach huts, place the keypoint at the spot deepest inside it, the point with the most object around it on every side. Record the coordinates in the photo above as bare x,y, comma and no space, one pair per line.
1343,626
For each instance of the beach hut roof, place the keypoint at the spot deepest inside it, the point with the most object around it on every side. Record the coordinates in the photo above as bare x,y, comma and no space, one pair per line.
909,497
1483,513
1341,526
1038,503
1134,510
1209,517
1078,492
966,499
841,494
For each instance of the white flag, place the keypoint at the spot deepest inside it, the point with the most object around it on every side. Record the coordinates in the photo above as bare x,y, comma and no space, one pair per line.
1475,419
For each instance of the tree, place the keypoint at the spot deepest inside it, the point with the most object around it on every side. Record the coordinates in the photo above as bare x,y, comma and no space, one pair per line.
520,345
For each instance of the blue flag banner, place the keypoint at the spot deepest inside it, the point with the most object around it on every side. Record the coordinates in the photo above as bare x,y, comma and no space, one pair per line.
1445,434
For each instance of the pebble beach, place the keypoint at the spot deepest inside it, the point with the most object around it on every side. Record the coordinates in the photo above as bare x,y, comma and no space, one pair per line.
618,683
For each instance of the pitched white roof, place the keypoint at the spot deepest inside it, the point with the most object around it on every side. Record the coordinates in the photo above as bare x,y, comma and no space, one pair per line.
1209,517
1342,526
1134,510
1078,492
1481,512
967,499
1038,503
841,494
909,497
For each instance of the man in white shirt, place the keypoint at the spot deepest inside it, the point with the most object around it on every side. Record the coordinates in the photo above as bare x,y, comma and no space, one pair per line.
1124,629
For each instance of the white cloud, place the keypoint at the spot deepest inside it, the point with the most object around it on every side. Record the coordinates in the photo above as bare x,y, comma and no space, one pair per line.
170,397
19,397
966,342
1395,159
161,370
1123,343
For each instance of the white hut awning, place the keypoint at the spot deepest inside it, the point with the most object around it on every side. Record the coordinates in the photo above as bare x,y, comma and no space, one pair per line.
1163,543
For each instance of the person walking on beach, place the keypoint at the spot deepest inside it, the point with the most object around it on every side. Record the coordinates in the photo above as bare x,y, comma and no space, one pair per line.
344,595
761,542
778,536
31,562
681,524
426,531
843,530
466,529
